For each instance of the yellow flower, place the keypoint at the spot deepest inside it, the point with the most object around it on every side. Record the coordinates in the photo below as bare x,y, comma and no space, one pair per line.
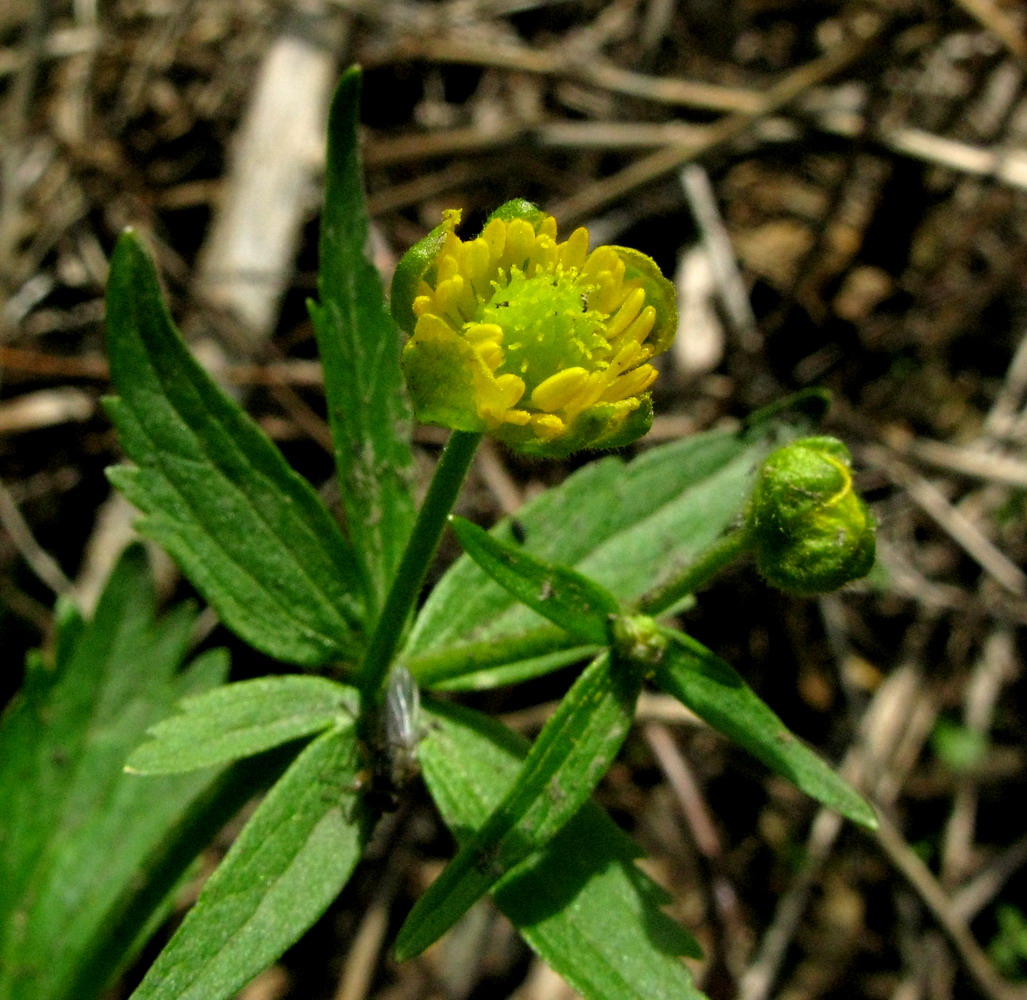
543,344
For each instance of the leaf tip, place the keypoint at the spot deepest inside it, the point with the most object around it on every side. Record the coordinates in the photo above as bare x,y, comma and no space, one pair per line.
865,817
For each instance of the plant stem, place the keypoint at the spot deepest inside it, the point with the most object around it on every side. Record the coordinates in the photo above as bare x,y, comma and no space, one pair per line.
424,540
725,550
468,658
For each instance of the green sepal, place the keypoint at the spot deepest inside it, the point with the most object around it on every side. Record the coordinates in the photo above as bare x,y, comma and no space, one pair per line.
518,208
439,375
660,293
417,264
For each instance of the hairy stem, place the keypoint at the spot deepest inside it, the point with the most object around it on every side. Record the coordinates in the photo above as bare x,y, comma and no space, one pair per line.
721,553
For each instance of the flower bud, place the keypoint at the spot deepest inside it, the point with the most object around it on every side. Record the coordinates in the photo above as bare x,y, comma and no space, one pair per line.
543,344
810,531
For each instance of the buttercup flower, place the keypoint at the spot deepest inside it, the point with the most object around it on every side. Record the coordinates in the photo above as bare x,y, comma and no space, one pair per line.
543,344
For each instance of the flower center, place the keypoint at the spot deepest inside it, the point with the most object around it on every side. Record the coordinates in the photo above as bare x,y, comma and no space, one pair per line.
547,323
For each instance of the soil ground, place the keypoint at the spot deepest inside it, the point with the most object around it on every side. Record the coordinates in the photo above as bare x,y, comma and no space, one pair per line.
839,190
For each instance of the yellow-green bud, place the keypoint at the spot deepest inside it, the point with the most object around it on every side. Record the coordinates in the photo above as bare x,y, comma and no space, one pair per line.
545,345
809,529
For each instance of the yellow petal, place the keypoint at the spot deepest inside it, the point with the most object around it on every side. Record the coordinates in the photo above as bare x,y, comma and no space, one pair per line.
626,314
574,250
558,390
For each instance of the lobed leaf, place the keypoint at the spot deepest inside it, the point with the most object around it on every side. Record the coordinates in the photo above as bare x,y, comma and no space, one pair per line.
242,719
566,598
289,862
572,753
74,909
581,903
715,691
359,344
627,526
249,532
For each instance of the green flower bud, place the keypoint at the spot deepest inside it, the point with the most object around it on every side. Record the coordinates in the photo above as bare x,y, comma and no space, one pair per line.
809,529
545,345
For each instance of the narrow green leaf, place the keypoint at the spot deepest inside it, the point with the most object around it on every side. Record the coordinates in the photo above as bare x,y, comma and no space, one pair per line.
566,762
566,598
239,720
289,862
716,692
249,532
74,908
360,346
581,903
628,526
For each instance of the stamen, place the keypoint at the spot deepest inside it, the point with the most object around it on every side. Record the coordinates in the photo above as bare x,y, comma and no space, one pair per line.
448,265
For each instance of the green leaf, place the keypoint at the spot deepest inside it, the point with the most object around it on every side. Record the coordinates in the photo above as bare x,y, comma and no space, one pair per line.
628,526
249,532
86,851
289,862
360,346
716,692
566,762
566,598
581,903
239,720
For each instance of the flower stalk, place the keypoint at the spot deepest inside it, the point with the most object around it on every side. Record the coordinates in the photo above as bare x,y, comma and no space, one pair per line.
420,549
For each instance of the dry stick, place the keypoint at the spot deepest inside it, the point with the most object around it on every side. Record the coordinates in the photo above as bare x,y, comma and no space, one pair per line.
995,667
594,196
990,16
45,408
951,519
594,70
504,487
38,559
979,891
1002,416
893,728
967,535
717,242
697,814
1006,166
365,952
1001,469
937,901
248,253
